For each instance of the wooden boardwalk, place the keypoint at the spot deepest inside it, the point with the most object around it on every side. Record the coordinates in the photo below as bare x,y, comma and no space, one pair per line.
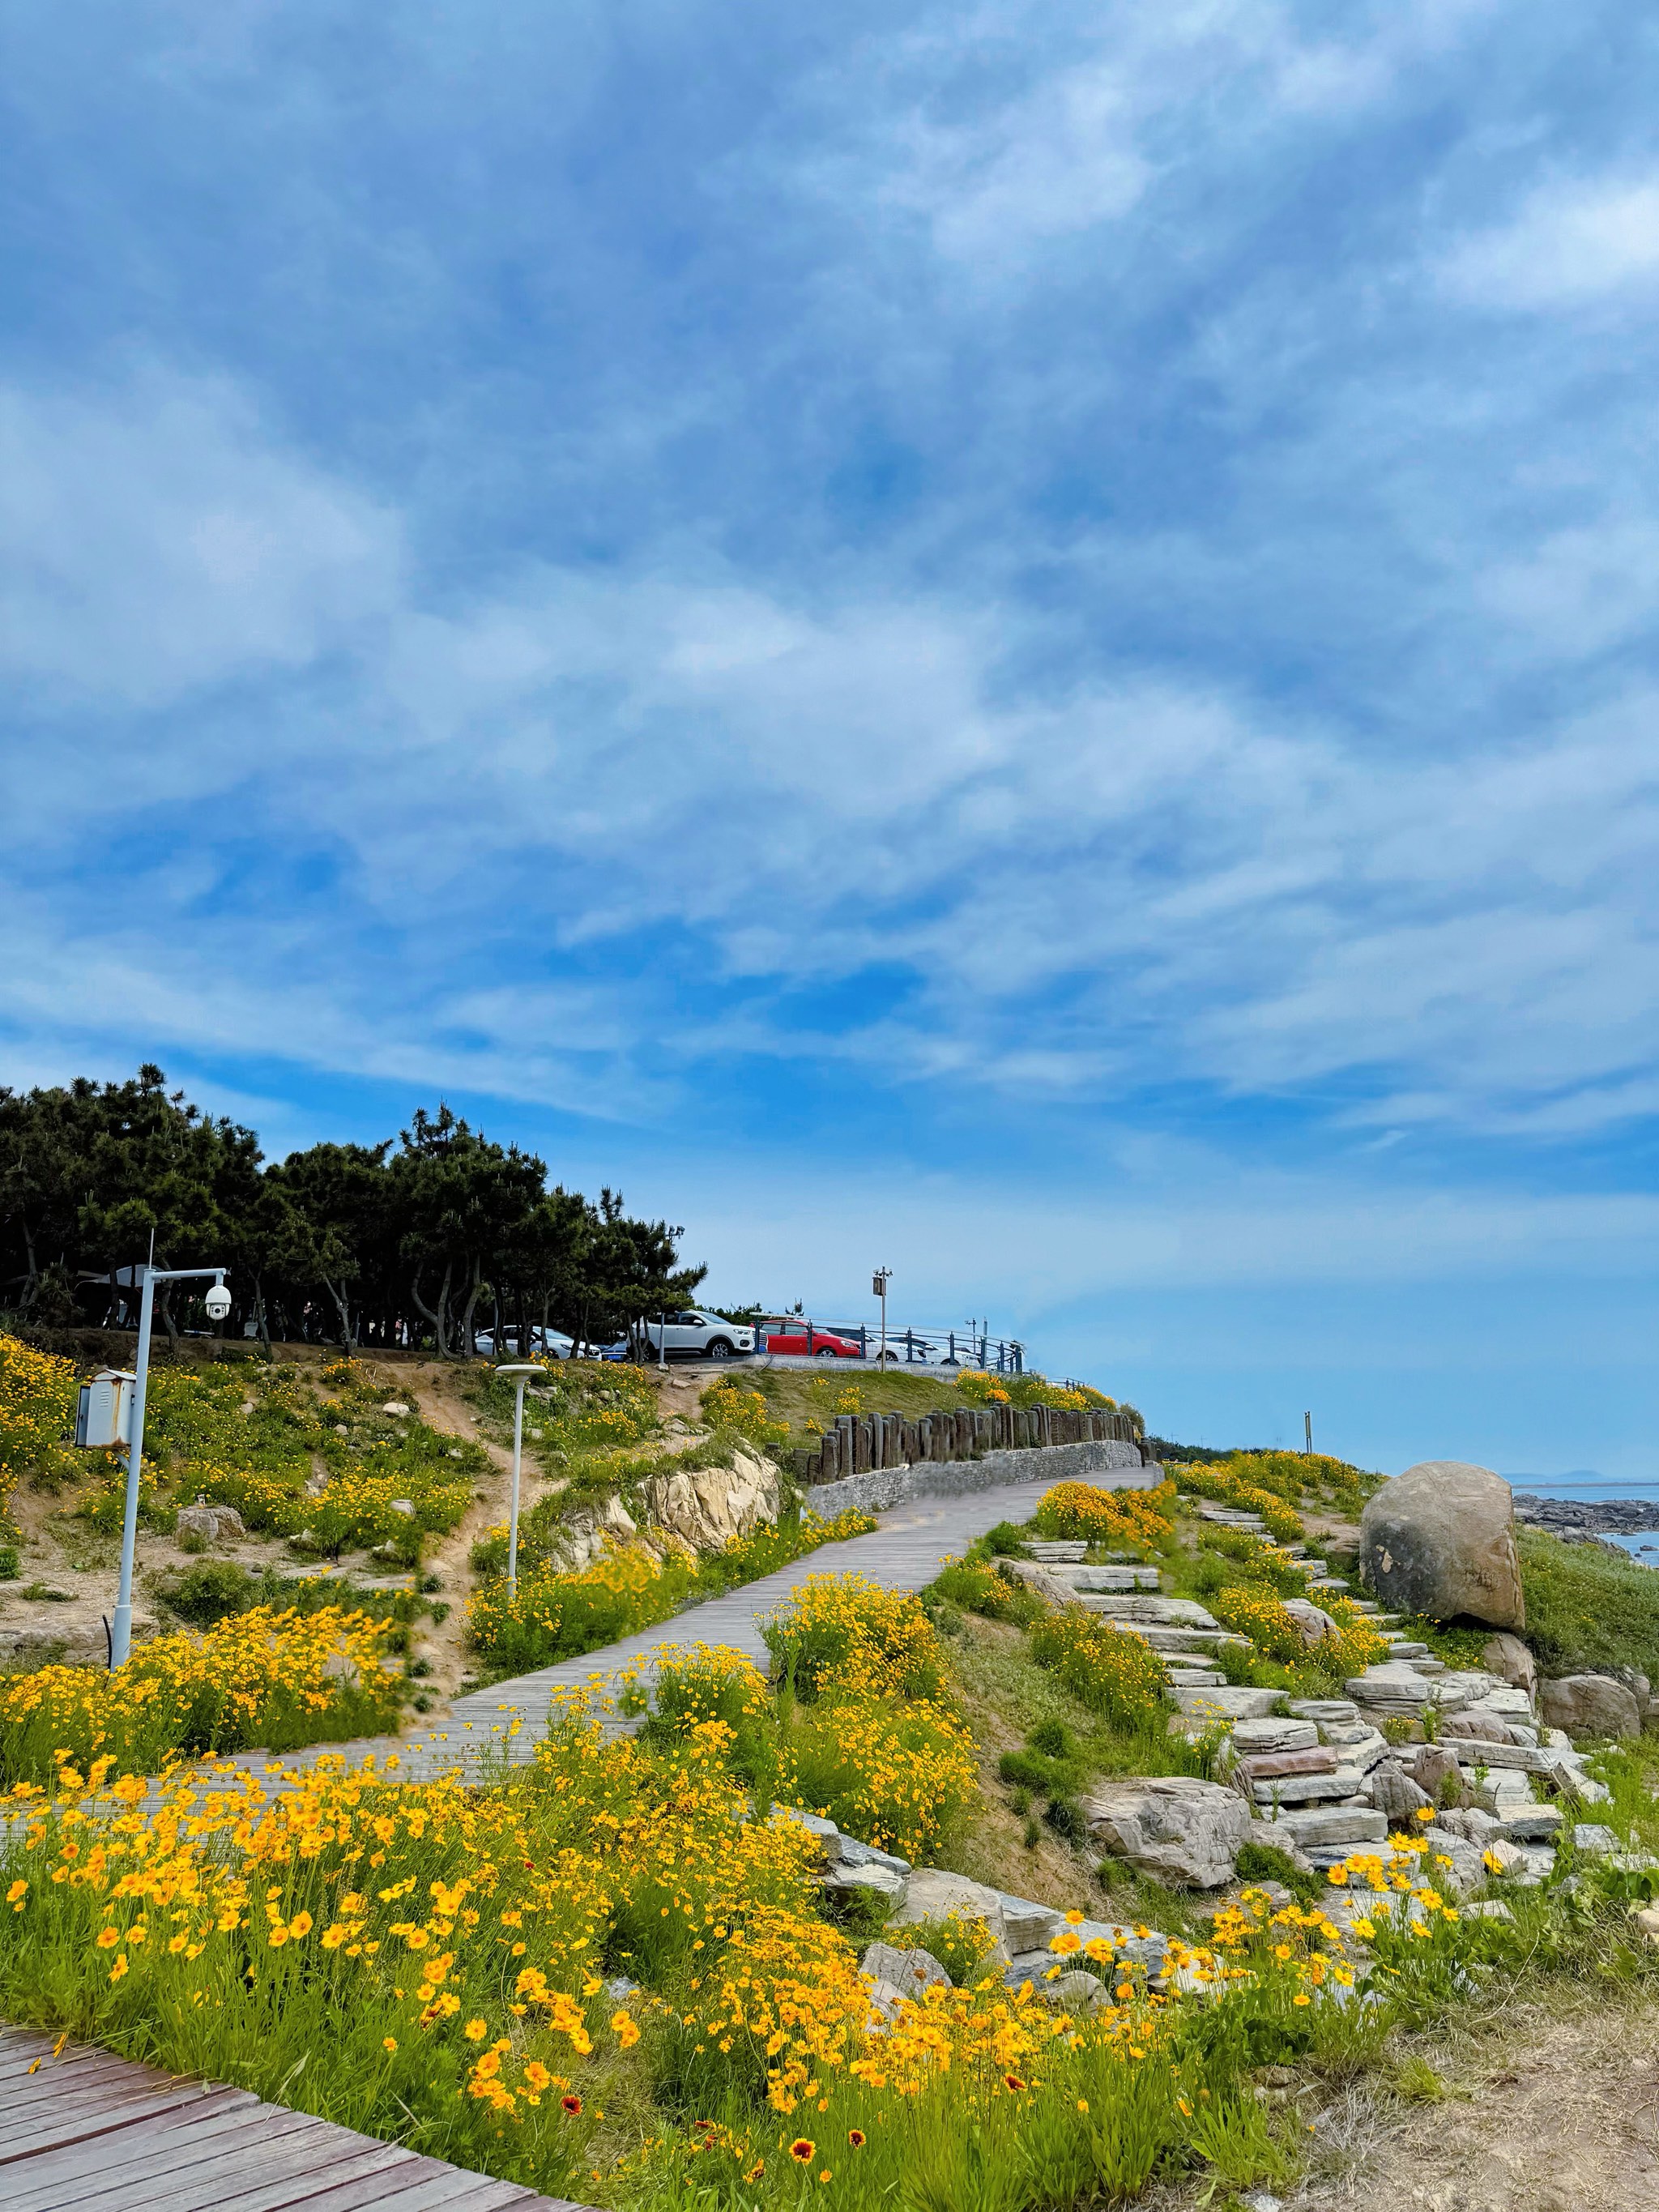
88,2129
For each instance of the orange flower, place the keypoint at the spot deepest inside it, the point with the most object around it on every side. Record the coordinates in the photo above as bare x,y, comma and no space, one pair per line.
571,2103
803,2150
855,2136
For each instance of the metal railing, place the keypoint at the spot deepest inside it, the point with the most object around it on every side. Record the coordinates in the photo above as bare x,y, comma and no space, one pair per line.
909,1347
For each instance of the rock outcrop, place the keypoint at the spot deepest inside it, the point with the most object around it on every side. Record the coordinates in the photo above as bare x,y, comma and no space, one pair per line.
1172,1826
710,1507
1439,1541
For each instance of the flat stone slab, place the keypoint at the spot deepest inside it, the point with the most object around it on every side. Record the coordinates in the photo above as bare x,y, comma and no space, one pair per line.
1325,1710
1251,1737
1228,1704
1307,1789
1332,1824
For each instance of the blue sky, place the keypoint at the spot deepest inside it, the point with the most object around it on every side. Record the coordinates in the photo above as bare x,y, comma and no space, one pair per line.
1018,641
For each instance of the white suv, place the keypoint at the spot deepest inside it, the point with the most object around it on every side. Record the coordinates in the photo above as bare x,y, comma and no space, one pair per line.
693,1335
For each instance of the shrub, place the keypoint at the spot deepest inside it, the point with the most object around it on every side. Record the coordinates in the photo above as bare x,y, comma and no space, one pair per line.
739,1412
845,1630
978,1587
11,1563
1128,1518
899,1773
1109,1668
207,1594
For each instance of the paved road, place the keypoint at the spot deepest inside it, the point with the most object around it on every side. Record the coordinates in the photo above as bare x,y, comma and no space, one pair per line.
904,1552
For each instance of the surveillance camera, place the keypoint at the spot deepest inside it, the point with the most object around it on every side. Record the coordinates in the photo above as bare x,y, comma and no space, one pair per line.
218,1302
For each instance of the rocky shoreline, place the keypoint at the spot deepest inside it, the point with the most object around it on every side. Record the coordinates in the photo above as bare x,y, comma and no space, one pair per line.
1562,1516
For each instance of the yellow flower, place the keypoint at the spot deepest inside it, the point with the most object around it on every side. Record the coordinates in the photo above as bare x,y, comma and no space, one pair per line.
389,2043
15,1892
109,1938
474,2030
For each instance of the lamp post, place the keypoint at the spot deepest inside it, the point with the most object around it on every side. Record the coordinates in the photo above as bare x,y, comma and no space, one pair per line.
218,1305
879,1283
520,1374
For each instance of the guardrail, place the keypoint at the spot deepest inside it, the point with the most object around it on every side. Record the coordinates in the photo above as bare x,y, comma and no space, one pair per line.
905,1347
858,1443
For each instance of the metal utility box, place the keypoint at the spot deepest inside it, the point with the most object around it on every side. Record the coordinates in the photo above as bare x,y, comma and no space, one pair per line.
104,1414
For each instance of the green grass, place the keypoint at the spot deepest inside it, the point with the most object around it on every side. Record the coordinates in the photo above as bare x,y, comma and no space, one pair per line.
796,1395
1586,1610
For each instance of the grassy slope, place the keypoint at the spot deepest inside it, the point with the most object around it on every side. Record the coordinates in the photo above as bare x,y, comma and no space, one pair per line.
1588,1610
796,1394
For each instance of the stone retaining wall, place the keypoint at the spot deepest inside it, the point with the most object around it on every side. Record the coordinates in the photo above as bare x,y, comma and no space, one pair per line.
892,1486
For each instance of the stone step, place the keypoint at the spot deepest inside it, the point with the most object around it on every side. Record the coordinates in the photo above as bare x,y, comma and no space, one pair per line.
1227,1703
1193,1678
1310,1789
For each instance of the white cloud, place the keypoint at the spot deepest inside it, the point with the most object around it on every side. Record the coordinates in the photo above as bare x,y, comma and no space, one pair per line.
1574,242
154,538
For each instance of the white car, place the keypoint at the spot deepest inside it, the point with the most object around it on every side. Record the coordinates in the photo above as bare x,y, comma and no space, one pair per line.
545,1344
695,1335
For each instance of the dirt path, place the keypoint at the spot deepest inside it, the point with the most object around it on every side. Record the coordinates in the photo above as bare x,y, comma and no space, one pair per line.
1548,2107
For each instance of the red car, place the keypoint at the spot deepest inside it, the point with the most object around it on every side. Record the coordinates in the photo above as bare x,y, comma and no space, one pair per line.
802,1339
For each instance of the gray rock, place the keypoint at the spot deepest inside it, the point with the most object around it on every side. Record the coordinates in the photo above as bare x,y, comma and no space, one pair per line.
1508,1658
1531,1824
1436,1774
932,1894
1398,1797
854,1853
909,1972
219,1524
1313,1827
1175,1827
396,1407
1466,1869
1591,1837
1026,1926
1590,1705
1439,1541
825,1833
1471,1822
1250,1737
1313,1624
1227,1704
1326,1712
880,1879
1074,1990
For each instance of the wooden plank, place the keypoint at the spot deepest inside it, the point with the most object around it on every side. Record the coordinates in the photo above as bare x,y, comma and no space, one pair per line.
351,2177
58,2078
151,2159
74,2123
279,2172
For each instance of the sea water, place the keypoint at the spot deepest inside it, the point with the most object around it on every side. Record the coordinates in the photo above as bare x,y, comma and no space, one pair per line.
1585,1488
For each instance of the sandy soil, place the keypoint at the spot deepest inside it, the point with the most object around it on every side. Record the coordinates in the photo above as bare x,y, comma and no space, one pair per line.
1548,2108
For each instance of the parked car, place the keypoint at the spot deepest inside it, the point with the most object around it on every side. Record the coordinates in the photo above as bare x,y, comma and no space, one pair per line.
805,1341
693,1335
545,1344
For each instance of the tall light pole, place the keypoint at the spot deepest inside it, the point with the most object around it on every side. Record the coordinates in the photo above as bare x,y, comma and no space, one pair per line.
218,1305
520,1374
879,1283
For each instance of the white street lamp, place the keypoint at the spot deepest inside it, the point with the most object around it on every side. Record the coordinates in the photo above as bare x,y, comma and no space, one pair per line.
218,1305
520,1374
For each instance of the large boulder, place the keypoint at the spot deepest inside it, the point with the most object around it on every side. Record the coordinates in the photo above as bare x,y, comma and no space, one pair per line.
1183,1830
1439,1539
1590,1705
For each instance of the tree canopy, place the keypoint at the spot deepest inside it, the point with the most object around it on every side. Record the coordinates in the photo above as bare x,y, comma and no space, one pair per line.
422,1237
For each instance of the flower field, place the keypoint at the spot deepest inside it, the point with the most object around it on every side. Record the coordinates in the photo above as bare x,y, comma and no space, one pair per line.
441,1963
275,1680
